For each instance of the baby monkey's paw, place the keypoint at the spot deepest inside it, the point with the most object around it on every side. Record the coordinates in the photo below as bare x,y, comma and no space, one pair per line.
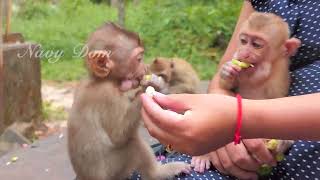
229,71
179,168
201,163
155,81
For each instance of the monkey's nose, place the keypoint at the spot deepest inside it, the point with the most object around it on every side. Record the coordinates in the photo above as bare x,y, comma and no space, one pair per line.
243,55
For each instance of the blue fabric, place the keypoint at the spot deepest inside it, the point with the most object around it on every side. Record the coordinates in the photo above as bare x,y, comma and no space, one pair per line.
303,17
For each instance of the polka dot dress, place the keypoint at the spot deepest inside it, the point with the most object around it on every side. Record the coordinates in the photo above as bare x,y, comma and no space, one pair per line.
303,17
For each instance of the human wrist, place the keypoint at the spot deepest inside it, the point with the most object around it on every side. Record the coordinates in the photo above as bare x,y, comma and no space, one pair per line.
252,121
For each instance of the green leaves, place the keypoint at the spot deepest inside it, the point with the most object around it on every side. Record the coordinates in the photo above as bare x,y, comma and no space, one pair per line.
195,30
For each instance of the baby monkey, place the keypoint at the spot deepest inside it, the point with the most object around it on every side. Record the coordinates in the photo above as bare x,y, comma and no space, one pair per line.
260,68
103,139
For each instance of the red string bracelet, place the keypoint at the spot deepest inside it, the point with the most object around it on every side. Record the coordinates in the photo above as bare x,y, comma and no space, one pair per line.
237,134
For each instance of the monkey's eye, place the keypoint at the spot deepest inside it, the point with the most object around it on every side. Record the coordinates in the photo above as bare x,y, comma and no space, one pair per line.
243,41
257,45
165,78
139,58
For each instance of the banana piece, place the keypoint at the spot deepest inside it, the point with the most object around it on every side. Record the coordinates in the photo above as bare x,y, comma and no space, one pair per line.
241,64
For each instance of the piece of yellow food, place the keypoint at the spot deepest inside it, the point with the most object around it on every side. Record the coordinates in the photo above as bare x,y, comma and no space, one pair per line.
272,144
14,159
264,170
280,157
147,77
241,64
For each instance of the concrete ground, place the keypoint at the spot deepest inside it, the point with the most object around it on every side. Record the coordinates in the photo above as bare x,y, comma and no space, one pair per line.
47,159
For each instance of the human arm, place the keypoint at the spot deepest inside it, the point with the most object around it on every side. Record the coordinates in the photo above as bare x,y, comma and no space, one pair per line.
213,119
214,86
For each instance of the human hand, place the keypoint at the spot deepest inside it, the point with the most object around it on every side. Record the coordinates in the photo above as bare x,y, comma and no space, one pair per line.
194,132
201,163
242,160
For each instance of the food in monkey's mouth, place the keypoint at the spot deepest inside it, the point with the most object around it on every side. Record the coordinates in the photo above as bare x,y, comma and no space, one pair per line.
241,64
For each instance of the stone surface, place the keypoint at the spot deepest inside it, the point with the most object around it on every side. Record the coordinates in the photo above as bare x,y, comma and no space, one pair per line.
22,82
48,159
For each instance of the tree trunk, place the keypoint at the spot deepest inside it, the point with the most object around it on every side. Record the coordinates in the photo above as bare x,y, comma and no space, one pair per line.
1,73
121,13
22,85
114,3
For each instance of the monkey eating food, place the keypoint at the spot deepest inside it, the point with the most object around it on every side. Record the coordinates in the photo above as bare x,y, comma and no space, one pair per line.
103,139
260,65
178,75
262,71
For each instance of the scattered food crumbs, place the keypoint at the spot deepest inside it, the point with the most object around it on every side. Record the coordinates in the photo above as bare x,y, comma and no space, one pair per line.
34,146
160,158
61,136
14,159
24,145
8,163
47,170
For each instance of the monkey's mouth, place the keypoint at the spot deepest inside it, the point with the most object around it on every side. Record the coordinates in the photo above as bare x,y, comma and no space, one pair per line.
252,68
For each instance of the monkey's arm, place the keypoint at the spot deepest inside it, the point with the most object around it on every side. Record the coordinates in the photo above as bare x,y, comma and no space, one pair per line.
121,117
214,86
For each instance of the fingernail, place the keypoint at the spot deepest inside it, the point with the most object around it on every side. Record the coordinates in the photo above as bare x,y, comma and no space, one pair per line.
158,94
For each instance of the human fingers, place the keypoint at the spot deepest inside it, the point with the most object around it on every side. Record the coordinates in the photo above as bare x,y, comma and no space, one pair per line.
175,103
232,168
208,164
202,165
258,148
216,163
164,119
240,156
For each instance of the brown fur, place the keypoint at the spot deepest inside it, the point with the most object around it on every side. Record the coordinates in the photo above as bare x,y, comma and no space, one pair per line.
272,80
103,139
177,73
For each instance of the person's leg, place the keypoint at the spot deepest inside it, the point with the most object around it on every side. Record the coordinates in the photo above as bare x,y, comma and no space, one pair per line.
303,162
210,174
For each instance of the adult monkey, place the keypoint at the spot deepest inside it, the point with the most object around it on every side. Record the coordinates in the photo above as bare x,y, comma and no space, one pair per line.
103,139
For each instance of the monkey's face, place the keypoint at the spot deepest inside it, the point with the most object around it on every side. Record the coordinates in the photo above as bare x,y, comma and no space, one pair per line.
260,50
131,71
162,67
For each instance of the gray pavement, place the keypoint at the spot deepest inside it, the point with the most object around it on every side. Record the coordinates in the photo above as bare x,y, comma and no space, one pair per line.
48,159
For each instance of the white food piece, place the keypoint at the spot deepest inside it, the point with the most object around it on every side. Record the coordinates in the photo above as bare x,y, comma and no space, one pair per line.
150,91
187,113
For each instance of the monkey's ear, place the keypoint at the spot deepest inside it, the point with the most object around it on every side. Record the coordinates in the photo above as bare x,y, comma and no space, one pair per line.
156,61
292,46
99,63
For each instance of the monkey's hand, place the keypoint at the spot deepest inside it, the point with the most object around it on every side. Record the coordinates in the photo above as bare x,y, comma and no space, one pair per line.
155,81
228,75
201,163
